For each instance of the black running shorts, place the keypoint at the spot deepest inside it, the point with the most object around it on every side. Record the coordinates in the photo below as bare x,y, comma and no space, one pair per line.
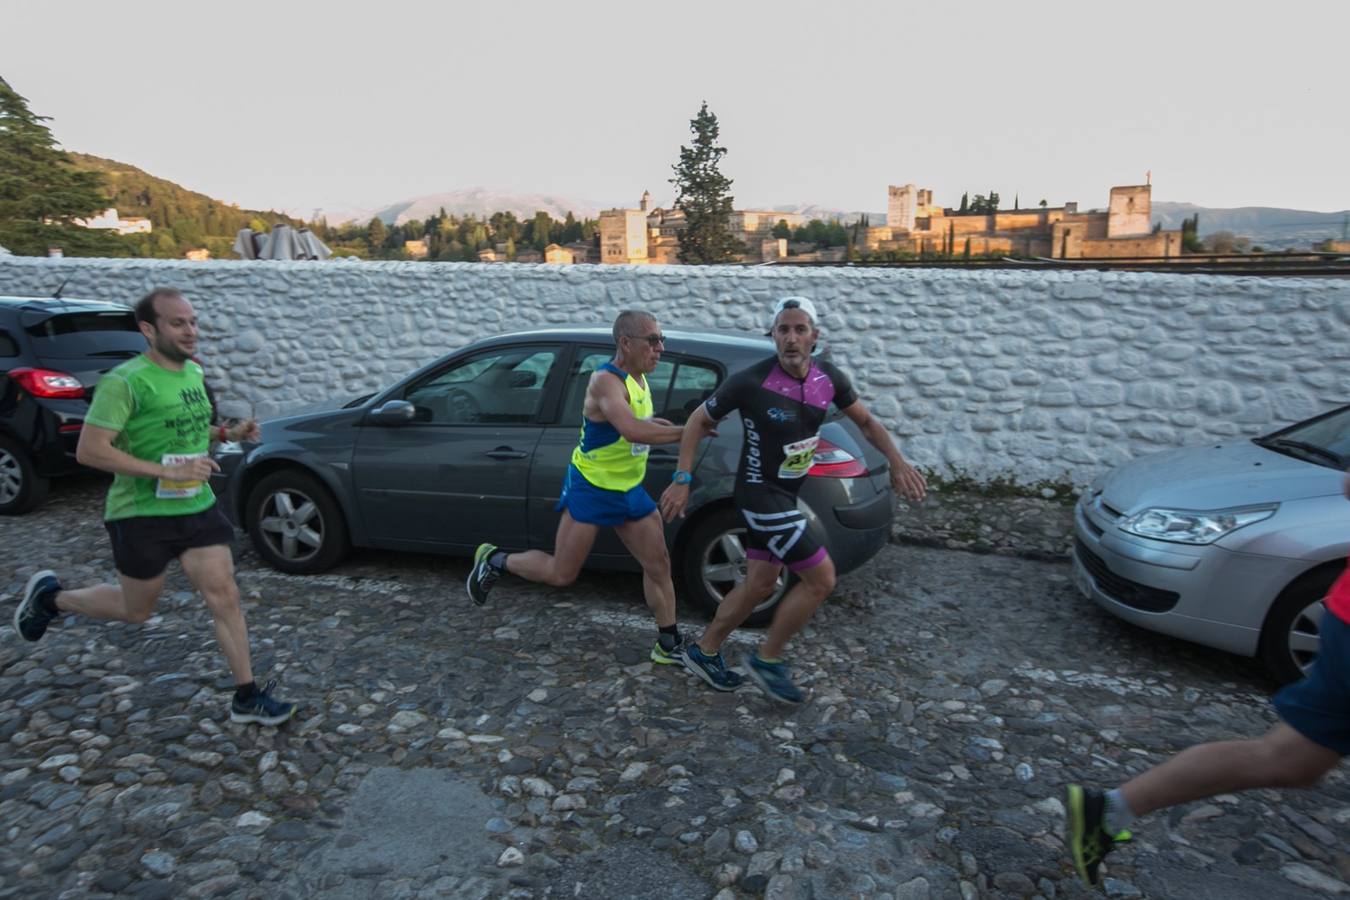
777,531
143,546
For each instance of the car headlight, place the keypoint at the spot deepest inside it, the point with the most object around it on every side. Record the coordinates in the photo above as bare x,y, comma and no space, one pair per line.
1185,526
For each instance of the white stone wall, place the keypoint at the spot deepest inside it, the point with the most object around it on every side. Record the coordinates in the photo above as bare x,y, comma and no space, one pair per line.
1030,374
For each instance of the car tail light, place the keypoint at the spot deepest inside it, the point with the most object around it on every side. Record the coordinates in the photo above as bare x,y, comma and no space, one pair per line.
834,462
47,383
70,428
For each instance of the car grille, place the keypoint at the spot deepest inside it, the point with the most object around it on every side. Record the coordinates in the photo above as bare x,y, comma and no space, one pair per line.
1131,593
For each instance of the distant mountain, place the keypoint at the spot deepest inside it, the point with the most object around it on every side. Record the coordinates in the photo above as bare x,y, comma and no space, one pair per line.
826,213
1267,226
476,201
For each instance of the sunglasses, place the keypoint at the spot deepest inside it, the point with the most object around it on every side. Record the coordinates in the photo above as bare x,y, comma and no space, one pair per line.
653,340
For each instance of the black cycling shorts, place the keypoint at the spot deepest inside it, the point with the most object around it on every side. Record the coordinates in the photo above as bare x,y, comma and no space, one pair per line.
777,531
143,546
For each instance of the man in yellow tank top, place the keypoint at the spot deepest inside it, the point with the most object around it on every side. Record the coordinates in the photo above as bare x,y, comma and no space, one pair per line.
603,486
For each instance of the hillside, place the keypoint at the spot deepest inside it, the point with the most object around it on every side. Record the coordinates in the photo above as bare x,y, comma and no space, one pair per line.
1270,227
476,201
182,219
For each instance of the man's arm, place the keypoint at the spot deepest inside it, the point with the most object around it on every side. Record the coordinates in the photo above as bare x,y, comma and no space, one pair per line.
96,450
613,402
906,479
675,498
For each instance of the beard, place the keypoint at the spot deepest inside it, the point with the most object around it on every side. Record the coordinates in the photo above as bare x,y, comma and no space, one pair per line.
169,349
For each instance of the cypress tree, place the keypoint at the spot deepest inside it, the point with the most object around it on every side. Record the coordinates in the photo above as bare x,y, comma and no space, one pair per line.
703,194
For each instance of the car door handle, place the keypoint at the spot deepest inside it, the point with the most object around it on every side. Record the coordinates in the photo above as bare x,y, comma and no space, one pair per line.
506,453
662,460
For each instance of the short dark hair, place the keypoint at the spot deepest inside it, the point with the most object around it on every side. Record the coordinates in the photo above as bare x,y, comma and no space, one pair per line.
145,307
627,320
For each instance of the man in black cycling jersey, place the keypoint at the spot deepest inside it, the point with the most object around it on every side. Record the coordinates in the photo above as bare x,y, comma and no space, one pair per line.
782,401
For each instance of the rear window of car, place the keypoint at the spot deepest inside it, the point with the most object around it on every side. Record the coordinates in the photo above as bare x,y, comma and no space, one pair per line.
78,334
8,346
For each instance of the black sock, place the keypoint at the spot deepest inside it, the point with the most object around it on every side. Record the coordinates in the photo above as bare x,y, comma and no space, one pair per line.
668,637
48,602
244,691
498,560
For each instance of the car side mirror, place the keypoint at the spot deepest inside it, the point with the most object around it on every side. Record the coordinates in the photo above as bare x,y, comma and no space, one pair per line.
524,379
393,412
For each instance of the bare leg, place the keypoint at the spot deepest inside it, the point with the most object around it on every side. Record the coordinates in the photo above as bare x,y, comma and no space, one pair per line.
133,601
560,568
760,577
1282,758
211,571
646,539
797,608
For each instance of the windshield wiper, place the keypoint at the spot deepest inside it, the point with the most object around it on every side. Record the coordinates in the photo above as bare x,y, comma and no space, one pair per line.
1304,447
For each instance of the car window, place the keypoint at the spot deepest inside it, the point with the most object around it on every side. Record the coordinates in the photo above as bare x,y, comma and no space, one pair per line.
74,335
677,386
8,346
1331,433
500,387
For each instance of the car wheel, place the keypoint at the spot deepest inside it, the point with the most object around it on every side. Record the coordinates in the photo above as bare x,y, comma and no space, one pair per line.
21,487
295,523
1291,638
714,563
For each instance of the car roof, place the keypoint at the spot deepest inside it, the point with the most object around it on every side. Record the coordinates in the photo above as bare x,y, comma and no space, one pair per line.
59,304
676,338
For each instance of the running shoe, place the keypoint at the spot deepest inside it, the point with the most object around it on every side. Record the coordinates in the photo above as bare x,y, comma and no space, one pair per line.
672,657
262,708
1089,841
712,669
484,574
773,679
31,617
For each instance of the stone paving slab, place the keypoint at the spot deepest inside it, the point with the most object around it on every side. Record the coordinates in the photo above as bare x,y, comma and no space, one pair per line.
527,749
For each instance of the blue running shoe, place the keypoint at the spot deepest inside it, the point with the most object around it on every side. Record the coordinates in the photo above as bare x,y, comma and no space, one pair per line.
712,669
262,708
31,617
773,679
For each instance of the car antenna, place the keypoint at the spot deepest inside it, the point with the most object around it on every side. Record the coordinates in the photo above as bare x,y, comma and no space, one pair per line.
56,295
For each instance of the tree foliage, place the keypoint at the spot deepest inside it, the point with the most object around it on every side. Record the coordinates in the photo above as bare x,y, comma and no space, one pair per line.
703,194
41,191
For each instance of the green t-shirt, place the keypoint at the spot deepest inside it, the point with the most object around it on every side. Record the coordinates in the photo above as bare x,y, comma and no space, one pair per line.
159,415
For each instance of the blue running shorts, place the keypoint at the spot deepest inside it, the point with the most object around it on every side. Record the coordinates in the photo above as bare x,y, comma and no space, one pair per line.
1318,707
597,506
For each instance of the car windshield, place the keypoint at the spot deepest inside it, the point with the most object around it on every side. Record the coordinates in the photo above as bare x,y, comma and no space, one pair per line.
1324,440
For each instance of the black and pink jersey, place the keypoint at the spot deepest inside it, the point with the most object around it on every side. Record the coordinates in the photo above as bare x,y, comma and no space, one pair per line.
782,416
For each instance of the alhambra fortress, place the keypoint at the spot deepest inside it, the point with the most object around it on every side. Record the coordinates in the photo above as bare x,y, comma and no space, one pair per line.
914,225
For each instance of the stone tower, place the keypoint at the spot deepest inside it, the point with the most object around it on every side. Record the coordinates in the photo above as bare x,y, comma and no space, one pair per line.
1131,211
901,203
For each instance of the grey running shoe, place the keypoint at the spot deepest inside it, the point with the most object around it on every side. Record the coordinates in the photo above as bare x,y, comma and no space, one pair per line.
712,669
772,678
672,657
262,707
483,575
31,617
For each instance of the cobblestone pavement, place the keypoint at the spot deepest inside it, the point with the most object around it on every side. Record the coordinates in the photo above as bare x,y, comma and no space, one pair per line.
528,749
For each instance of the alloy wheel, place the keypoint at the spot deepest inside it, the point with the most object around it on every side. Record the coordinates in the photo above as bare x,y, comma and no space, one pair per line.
722,566
1305,635
11,477
291,524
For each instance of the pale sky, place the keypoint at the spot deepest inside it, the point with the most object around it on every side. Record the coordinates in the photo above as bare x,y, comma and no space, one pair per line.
298,104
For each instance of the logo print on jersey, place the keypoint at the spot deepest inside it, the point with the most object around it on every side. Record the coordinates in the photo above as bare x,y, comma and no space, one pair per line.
790,526
781,415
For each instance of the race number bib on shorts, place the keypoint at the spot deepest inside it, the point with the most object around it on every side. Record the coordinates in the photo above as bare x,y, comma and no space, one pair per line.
641,449
177,490
797,457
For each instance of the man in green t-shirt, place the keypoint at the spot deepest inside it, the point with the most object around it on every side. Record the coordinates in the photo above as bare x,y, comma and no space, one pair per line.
150,425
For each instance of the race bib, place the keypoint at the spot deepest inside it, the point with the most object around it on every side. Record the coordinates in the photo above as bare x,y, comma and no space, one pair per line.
641,449
177,490
797,457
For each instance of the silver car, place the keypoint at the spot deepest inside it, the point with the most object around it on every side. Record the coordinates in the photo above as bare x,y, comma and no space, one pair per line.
1231,545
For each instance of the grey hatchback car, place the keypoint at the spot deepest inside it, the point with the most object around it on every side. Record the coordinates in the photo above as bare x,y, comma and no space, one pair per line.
473,448
1232,545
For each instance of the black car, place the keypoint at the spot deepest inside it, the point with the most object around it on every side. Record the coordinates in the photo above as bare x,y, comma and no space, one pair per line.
474,446
52,354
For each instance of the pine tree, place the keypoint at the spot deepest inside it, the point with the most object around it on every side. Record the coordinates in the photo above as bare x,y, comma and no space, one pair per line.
965,202
702,193
41,192
376,234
